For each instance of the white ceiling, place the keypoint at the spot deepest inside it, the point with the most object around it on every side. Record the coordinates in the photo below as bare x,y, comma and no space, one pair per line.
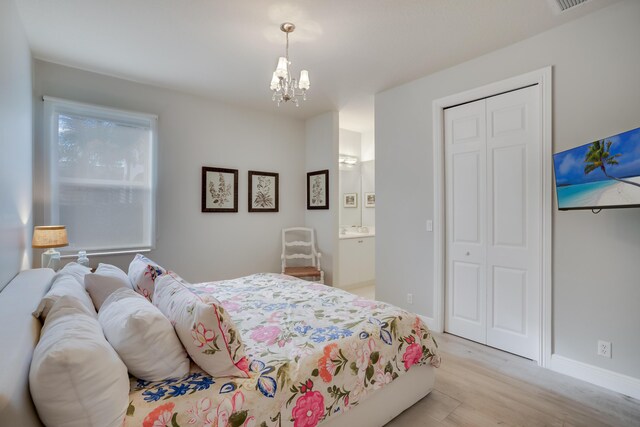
227,49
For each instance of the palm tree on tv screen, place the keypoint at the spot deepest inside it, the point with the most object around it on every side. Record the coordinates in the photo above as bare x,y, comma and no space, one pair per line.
599,156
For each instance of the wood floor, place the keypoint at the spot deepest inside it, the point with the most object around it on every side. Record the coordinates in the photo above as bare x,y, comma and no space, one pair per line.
481,386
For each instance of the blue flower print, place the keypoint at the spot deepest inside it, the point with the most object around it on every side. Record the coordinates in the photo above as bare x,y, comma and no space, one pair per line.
302,329
178,390
266,385
329,333
202,383
154,396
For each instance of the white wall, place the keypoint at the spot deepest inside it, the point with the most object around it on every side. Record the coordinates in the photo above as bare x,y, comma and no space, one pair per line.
322,153
596,93
16,144
195,132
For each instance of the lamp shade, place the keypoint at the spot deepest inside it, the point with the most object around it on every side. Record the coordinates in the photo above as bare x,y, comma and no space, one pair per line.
281,70
274,81
304,82
50,236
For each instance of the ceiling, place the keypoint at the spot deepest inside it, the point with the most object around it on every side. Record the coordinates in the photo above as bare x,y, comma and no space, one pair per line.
227,49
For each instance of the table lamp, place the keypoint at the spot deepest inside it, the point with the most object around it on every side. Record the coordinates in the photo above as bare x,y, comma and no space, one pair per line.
50,236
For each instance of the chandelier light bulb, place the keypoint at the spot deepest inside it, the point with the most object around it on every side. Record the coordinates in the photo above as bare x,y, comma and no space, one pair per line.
304,80
275,81
281,70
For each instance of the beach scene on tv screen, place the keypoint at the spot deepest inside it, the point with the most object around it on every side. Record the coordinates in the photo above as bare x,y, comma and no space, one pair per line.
600,174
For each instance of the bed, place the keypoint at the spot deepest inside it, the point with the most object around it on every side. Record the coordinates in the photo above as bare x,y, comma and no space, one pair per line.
318,355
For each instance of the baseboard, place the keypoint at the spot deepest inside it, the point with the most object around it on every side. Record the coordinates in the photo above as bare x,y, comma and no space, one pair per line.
430,322
620,383
356,285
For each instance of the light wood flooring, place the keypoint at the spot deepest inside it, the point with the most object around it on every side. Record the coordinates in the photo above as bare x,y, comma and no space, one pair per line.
481,386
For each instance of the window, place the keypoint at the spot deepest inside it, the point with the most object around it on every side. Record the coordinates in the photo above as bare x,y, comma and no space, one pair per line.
101,175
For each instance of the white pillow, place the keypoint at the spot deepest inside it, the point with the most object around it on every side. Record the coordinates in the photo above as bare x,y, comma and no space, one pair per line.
64,283
143,337
142,275
76,270
76,378
203,326
104,282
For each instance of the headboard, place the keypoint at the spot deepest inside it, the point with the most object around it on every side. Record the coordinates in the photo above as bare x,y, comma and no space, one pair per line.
19,334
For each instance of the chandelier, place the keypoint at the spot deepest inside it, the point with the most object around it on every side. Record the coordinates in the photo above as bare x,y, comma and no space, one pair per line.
284,87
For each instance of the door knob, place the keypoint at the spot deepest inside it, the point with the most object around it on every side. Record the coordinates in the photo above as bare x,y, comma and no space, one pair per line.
468,253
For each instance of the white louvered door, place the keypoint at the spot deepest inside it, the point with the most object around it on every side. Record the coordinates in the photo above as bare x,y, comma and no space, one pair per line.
493,192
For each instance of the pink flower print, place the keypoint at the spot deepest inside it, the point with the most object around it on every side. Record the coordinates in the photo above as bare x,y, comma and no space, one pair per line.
202,335
308,410
364,353
412,355
159,417
199,410
361,302
231,306
274,317
243,365
228,407
266,334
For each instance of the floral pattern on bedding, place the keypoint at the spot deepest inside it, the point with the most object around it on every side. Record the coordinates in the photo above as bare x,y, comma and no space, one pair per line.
315,352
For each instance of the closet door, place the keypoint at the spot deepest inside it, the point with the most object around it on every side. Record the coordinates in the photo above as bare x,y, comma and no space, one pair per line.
513,226
465,169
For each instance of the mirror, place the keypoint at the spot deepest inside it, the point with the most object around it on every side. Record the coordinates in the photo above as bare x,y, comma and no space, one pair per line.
356,181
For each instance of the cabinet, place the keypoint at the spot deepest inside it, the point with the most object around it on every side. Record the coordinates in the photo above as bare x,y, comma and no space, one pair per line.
357,266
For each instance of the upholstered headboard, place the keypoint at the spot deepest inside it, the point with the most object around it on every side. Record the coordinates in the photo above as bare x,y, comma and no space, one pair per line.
19,334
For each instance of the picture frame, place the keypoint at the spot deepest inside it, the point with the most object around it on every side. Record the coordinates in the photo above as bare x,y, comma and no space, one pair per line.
318,189
350,200
369,200
219,189
264,192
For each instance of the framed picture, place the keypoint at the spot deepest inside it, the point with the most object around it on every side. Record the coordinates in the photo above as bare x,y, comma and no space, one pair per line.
219,190
318,189
350,200
369,200
263,192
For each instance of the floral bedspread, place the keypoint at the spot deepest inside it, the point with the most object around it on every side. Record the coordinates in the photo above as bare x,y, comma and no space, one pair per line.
315,351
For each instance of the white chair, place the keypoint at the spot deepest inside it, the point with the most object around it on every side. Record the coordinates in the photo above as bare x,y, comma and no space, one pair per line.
299,256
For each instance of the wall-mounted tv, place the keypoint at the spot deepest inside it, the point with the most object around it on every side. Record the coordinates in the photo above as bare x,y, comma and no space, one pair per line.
600,175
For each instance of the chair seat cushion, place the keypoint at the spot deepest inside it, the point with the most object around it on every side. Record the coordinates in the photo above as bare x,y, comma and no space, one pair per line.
302,271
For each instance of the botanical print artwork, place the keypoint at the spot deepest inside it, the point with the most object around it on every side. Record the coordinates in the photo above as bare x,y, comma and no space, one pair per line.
350,200
314,352
318,190
263,197
219,190
263,191
369,200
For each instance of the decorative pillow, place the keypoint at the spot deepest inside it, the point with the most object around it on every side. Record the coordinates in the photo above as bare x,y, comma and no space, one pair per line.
203,326
63,284
74,269
142,274
76,378
142,336
104,282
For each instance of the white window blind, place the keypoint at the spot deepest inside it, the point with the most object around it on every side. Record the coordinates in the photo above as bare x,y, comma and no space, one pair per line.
101,175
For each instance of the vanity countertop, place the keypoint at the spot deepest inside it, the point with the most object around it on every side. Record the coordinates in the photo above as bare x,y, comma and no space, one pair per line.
356,235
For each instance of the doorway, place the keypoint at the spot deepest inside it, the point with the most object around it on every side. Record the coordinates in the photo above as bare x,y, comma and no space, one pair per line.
492,150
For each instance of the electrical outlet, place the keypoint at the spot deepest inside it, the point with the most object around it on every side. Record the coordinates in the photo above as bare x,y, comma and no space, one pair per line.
409,298
429,225
604,349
